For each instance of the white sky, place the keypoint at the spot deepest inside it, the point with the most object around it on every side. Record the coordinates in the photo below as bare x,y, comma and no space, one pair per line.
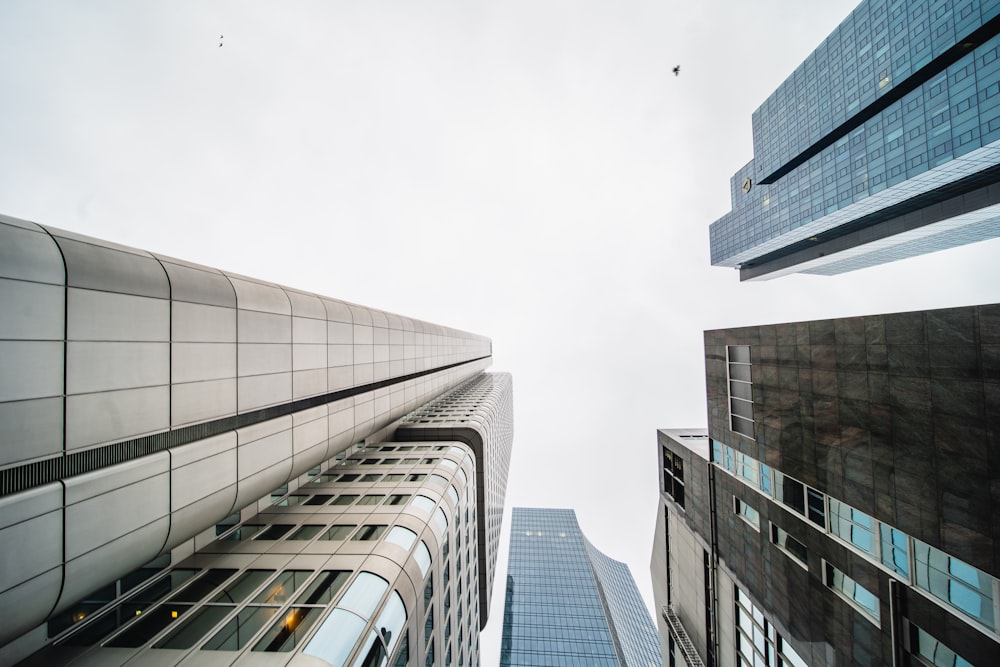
529,170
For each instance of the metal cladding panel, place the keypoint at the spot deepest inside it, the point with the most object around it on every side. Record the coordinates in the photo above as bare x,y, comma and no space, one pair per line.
201,323
112,560
107,416
31,540
30,429
201,469
27,252
306,305
198,284
262,297
31,311
263,390
201,401
193,362
30,369
107,366
102,506
105,316
97,265
258,327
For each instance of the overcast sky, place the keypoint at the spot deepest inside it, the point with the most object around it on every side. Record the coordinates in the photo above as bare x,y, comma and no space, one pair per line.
528,170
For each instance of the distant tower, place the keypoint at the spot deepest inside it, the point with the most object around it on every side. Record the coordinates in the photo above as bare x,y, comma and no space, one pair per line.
568,603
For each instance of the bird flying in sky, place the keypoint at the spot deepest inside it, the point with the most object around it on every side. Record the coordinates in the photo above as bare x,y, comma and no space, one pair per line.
677,69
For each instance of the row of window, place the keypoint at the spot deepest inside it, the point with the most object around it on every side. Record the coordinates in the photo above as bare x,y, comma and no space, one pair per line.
740,390
960,586
220,594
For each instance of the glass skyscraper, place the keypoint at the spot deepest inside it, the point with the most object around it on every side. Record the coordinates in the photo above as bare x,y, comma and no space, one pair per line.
883,144
204,468
567,603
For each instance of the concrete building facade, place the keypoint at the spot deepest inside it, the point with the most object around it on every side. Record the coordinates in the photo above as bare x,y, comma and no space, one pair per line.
149,405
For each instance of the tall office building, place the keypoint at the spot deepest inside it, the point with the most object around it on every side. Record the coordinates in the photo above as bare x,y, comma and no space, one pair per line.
204,468
567,603
883,144
842,506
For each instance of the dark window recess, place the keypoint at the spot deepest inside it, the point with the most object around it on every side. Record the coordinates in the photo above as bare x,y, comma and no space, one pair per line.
673,476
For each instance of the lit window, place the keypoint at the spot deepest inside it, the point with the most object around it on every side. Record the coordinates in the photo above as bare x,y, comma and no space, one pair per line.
939,655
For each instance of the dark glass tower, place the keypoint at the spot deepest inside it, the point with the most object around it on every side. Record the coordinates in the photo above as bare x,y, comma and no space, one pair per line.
567,603
883,144
842,507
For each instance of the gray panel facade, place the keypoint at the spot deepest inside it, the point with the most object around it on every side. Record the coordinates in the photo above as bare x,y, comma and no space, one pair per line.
162,396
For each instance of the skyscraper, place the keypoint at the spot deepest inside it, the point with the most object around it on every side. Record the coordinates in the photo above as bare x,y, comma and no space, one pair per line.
841,507
567,603
883,144
205,467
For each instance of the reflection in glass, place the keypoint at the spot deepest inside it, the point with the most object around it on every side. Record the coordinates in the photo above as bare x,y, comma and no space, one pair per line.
364,594
338,532
323,589
289,631
336,637
194,628
284,585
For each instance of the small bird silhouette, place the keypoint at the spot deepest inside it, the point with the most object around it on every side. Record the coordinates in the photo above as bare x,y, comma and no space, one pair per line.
677,70
220,40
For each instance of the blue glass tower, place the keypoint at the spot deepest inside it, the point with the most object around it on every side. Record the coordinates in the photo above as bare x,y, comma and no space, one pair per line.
568,603
883,144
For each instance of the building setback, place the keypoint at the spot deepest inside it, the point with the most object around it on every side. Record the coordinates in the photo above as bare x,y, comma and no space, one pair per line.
567,603
883,144
842,507
205,468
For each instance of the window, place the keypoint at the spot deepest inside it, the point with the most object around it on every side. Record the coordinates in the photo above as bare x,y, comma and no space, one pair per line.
790,546
338,532
746,513
854,593
371,499
369,533
398,499
741,418
853,526
934,652
318,500
895,549
673,476
274,532
306,532
423,503
422,556
344,500
955,583
403,537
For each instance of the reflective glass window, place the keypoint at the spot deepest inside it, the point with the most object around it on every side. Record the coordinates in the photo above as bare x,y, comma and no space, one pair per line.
280,590
338,532
404,537
289,630
324,588
238,632
306,532
364,594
